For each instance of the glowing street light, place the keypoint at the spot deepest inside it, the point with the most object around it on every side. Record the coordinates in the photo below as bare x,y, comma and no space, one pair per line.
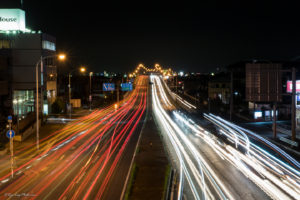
40,61
90,97
82,70
61,56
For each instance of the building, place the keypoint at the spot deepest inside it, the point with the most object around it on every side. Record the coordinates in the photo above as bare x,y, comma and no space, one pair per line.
219,88
261,83
20,51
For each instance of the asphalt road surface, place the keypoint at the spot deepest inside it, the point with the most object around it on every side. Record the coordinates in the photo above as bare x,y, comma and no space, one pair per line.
88,159
210,168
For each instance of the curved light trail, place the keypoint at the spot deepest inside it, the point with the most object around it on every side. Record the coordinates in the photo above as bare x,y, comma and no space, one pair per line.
274,177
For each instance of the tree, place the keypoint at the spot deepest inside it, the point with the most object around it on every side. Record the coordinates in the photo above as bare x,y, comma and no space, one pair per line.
57,106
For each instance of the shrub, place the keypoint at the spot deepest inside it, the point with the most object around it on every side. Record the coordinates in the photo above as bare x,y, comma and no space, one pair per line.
57,106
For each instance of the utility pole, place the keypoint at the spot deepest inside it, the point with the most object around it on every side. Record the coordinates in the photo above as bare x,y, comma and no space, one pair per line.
90,97
176,83
10,134
231,94
42,95
11,144
208,104
294,104
274,120
18,114
118,88
37,106
70,106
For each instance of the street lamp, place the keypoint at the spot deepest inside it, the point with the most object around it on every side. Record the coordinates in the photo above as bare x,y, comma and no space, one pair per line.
90,97
82,69
40,61
61,56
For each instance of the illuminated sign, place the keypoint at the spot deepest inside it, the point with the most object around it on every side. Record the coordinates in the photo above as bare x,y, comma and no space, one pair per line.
298,101
108,86
12,20
257,114
48,45
126,87
289,86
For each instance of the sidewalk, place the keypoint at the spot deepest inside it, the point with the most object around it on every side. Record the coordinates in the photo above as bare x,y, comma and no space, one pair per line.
45,130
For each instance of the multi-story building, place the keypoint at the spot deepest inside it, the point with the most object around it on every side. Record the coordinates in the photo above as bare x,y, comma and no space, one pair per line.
261,83
20,51
219,88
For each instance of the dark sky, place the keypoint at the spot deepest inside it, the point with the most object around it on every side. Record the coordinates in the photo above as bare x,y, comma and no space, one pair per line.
193,37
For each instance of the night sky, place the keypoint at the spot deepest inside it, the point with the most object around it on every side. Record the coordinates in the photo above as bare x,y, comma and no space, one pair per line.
190,37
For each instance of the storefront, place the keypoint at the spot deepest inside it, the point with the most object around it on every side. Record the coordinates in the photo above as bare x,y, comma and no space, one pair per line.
23,102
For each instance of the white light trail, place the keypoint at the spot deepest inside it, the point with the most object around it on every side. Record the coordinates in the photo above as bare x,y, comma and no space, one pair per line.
184,150
277,179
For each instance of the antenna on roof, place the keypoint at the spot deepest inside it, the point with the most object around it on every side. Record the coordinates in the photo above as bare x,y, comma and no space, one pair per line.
22,4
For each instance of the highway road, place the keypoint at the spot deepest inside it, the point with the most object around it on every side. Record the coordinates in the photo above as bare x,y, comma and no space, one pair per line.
88,159
211,167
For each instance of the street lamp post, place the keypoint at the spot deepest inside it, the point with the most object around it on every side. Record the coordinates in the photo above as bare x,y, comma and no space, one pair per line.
37,104
231,96
82,69
90,97
293,104
40,61
70,106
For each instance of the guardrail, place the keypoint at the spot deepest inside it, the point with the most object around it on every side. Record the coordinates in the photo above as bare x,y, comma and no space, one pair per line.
293,143
170,187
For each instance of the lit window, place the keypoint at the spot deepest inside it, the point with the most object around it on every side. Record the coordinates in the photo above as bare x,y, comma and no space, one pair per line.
4,44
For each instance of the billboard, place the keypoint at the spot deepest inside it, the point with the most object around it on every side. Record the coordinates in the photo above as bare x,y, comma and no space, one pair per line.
108,86
12,20
289,86
126,86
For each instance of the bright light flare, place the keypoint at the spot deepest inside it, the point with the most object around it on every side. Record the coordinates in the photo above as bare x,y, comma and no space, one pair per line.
82,69
62,56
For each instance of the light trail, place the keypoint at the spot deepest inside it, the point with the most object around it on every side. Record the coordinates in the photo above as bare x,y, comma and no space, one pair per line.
141,111
94,142
163,94
186,153
277,179
184,102
117,157
286,156
276,186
